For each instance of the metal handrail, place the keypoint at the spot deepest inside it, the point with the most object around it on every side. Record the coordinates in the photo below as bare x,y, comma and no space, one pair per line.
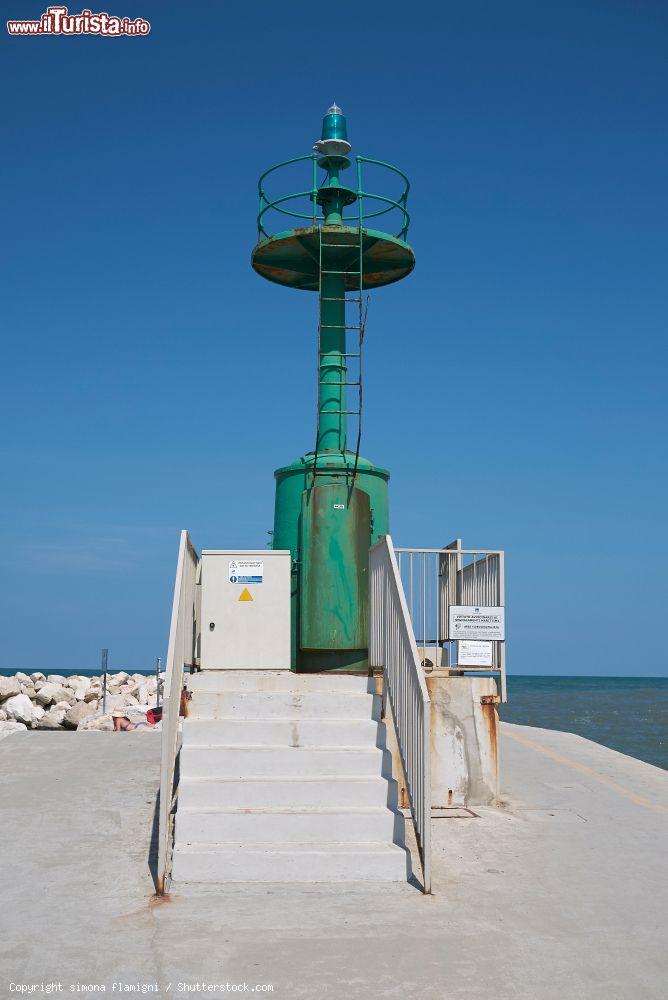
266,203
287,163
462,552
392,646
181,652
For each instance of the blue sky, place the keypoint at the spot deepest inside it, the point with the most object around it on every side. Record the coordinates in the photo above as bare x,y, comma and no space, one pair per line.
515,383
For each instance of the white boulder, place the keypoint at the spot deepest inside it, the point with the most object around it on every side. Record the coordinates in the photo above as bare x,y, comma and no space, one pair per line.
23,678
53,719
51,692
58,714
137,713
112,702
101,723
9,686
49,721
37,676
11,726
115,701
38,714
19,708
57,679
78,713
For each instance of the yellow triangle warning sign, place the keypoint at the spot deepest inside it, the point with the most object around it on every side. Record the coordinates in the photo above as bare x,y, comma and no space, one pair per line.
245,595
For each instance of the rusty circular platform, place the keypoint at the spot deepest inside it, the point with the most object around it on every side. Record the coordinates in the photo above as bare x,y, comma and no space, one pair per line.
292,257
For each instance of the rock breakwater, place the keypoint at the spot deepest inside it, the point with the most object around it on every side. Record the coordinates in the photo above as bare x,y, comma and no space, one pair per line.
55,701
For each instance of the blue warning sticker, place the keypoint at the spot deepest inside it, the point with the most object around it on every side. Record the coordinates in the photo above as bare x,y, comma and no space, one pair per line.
246,571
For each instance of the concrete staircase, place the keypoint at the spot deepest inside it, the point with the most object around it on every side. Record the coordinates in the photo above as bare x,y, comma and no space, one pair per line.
285,777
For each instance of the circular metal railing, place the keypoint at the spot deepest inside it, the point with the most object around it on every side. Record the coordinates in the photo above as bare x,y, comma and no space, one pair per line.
359,218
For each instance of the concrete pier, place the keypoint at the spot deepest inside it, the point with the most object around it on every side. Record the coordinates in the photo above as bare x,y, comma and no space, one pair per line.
559,894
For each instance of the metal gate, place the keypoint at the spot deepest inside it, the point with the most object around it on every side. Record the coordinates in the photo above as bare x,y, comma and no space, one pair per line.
437,580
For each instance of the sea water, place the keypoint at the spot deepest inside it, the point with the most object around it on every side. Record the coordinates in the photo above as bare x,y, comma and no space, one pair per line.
629,714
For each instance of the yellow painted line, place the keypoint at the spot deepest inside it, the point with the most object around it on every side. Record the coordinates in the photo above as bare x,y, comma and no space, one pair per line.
639,800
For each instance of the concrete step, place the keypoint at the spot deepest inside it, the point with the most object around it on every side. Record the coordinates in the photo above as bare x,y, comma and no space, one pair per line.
268,681
281,732
283,705
326,862
285,762
244,793
294,826
284,777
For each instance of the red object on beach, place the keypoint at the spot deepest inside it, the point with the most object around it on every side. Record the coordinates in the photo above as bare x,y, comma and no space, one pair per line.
154,715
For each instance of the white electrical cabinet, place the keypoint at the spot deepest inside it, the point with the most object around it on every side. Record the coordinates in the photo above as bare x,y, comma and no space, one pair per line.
245,609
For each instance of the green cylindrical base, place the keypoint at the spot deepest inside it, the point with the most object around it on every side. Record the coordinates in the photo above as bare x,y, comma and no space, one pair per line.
291,482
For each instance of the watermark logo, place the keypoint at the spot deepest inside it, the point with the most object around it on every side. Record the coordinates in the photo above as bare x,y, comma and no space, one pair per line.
58,21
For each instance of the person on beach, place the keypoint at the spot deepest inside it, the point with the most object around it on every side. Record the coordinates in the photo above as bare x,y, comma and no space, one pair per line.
123,725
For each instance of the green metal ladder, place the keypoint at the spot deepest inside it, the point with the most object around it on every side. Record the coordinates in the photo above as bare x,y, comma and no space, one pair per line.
356,356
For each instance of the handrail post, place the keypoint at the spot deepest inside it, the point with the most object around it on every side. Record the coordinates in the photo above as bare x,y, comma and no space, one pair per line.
105,661
158,665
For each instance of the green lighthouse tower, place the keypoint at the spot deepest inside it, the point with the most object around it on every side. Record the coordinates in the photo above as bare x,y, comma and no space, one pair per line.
332,504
